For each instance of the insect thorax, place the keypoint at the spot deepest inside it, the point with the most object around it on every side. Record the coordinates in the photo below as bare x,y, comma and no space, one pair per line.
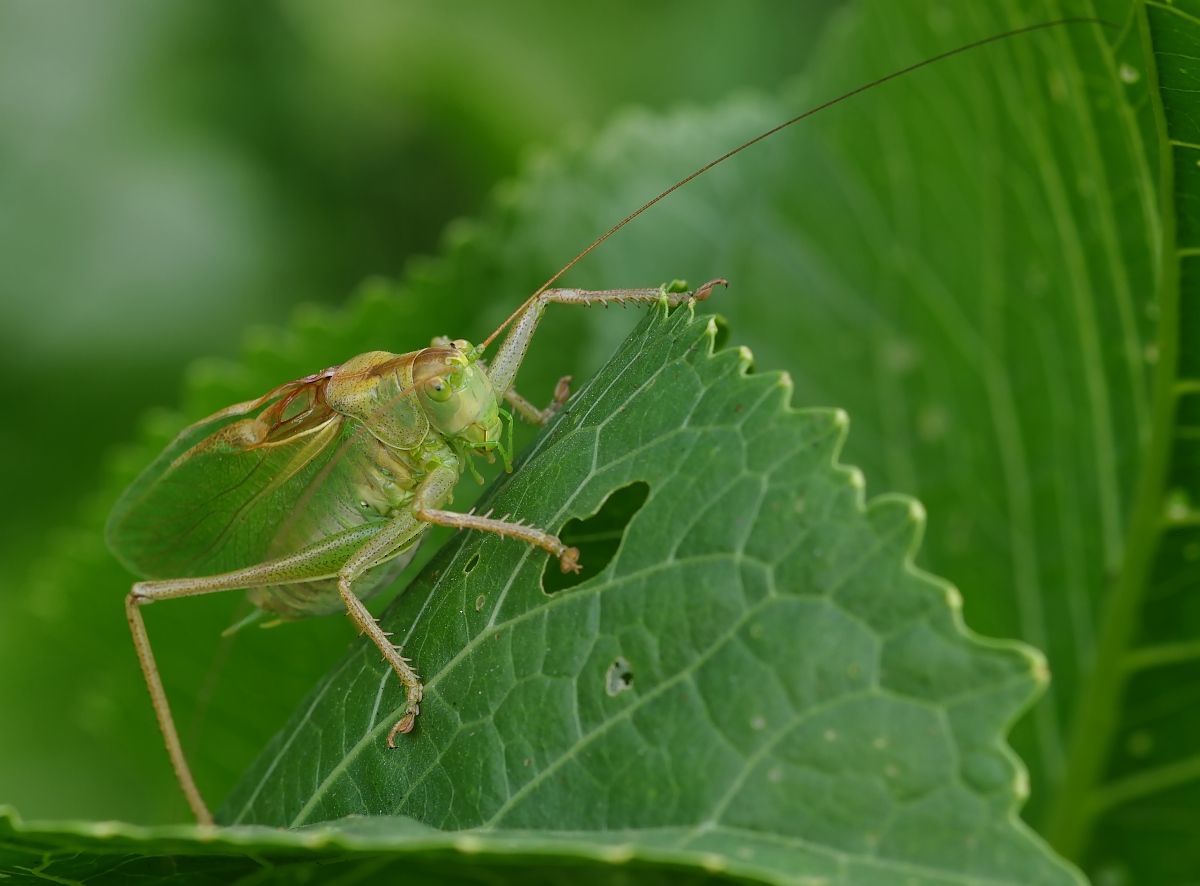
376,389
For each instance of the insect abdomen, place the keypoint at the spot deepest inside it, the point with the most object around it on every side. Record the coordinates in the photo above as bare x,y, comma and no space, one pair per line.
366,482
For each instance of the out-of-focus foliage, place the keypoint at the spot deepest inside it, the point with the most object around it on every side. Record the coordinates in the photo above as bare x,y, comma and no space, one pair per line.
170,173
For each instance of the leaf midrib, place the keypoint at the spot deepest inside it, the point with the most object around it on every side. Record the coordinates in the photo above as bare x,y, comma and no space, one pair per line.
1072,812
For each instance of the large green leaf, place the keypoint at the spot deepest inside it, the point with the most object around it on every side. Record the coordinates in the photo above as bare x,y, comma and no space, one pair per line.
758,680
1135,752
783,674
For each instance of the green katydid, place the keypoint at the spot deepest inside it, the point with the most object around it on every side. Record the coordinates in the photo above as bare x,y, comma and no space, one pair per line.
315,495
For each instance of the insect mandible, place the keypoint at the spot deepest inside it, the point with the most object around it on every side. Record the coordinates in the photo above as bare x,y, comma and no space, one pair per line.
315,495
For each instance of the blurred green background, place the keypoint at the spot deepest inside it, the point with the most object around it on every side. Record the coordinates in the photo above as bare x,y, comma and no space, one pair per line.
965,260
171,174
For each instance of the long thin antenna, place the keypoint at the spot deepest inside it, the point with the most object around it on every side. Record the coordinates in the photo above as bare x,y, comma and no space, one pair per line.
841,98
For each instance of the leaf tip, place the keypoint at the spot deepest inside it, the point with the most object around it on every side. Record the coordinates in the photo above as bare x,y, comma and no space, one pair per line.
1039,668
1020,784
621,854
104,829
745,359
468,844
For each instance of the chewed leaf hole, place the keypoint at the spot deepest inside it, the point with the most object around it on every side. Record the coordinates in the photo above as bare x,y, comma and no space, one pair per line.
471,564
597,537
618,677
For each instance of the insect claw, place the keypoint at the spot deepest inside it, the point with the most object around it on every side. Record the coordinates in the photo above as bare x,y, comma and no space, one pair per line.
568,560
404,724
703,292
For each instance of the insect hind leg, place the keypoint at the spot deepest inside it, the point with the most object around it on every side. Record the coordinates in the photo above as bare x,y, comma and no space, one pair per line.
141,594
304,565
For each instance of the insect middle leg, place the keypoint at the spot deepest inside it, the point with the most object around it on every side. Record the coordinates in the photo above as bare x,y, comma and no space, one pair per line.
529,412
435,489
433,492
402,530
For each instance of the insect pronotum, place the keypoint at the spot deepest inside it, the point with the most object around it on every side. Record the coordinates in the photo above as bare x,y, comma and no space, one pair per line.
316,494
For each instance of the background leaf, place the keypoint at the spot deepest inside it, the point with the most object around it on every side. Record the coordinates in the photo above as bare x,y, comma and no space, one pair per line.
1141,780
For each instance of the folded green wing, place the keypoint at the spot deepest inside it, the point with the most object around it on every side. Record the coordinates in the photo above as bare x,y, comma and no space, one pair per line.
226,491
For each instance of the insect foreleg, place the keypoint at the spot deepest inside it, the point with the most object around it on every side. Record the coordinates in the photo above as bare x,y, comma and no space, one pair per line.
431,493
504,366
529,412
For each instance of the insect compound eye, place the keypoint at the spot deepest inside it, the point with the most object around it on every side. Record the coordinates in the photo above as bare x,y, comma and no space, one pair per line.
438,390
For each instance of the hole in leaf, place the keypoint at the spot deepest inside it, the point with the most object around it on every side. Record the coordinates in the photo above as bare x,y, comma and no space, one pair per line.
597,537
619,677
471,564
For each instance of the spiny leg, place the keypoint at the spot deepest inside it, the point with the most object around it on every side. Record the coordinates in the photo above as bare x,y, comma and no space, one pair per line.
432,492
413,690
504,366
568,558
435,489
397,534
